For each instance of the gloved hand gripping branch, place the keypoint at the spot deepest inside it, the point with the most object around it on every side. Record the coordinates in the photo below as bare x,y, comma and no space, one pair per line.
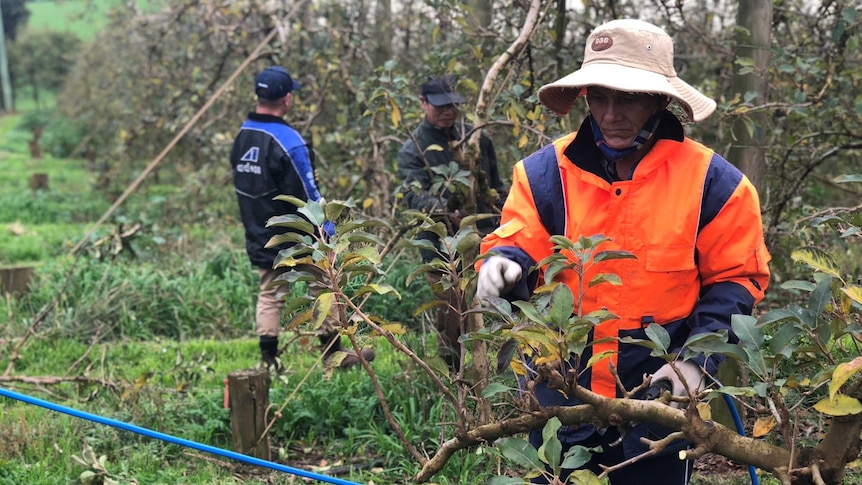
667,378
497,276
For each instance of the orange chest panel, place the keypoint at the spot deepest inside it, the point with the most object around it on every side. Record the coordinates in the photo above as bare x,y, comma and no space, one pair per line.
655,216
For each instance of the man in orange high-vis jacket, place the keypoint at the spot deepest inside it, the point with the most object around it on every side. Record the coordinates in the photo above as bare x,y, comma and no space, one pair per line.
629,173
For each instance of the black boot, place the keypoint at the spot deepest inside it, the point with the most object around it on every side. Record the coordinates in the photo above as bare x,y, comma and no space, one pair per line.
335,338
269,351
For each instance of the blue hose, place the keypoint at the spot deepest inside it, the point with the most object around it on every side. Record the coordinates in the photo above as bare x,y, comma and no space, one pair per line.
752,471
171,439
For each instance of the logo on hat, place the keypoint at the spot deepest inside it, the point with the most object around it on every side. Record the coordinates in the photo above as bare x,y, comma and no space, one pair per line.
602,42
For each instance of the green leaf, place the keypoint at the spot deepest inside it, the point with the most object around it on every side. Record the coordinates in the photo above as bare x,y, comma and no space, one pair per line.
712,343
494,388
299,203
530,311
505,481
745,329
465,242
736,391
783,336
576,457
363,237
754,361
842,179
314,212
551,448
289,237
521,452
583,477
820,297
87,477
605,278
536,334
562,305
368,254
610,255
798,285
659,336
780,315
291,221
563,242
377,289
598,357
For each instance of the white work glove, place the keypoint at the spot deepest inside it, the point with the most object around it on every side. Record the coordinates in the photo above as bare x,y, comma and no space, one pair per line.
497,276
690,372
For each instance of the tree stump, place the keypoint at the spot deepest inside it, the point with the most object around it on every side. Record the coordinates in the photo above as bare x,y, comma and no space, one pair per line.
15,280
38,181
248,398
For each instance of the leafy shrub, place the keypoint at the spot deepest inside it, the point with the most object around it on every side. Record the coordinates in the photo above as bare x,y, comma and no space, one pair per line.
412,295
61,137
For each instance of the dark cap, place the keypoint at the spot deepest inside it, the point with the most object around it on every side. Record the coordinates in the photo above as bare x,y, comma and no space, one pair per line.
440,90
274,83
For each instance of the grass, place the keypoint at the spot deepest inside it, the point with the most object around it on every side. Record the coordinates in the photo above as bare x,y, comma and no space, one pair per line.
82,17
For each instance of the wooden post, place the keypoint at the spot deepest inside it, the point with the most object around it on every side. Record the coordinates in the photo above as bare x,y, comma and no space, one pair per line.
248,397
38,181
15,280
35,149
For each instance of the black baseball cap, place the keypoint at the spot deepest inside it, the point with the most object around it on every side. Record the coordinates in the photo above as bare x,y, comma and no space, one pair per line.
274,83
440,90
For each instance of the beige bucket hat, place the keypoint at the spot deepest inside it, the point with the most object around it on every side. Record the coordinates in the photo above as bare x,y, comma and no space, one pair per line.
631,56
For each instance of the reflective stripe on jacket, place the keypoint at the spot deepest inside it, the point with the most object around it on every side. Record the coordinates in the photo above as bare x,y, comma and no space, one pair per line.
691,218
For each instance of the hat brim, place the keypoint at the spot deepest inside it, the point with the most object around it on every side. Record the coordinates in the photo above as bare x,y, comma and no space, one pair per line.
559,96
444,99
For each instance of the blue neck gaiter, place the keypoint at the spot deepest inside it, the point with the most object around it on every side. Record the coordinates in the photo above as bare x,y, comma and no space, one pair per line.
614,155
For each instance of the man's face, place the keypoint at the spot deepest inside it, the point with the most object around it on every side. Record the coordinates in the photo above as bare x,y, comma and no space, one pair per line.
621,115
441,116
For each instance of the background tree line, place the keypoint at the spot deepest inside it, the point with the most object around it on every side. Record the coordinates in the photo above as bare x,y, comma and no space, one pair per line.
361,62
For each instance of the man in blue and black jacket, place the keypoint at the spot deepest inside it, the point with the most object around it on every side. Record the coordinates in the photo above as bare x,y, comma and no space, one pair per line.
270,158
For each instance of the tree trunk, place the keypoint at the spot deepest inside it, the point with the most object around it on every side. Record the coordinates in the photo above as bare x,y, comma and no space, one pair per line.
482,12
560,25
481,361
383,32
753,38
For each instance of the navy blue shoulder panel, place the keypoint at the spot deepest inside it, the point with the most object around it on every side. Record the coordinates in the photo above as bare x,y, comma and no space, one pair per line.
543,174
722,179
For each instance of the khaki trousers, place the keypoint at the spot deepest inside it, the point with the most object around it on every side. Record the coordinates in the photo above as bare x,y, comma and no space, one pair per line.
271,299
